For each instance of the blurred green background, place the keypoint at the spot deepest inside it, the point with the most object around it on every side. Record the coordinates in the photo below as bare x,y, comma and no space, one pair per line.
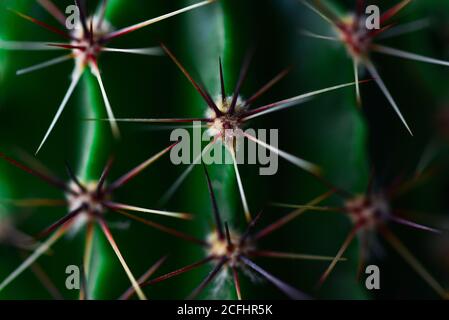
330,131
